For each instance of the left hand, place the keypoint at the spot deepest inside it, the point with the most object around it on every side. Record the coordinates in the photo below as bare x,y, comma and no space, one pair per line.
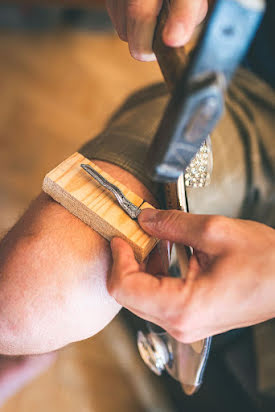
230,281
135,22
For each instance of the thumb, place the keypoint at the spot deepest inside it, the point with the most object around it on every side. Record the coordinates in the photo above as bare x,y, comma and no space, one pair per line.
202,232
140,292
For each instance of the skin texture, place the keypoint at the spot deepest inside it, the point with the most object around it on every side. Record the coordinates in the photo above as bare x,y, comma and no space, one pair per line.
53,271
230,281
135,22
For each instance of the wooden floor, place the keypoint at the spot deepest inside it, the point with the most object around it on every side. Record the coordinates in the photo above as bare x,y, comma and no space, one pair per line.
56,91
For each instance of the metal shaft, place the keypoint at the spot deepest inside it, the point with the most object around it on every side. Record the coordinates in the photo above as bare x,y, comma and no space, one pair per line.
132,210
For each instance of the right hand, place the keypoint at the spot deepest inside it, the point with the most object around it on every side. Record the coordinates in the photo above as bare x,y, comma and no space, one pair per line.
135,22
230,281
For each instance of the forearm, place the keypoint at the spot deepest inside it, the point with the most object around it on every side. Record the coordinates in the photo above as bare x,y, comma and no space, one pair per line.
53,272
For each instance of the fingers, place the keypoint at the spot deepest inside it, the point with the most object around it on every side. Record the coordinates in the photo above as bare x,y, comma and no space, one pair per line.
203,232
116,10
141,22
184,16
138,290
184,308
135,22
219,293
164,301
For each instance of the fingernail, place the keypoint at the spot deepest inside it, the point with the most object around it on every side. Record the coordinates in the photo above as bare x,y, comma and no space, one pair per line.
174,34
148,216
140,37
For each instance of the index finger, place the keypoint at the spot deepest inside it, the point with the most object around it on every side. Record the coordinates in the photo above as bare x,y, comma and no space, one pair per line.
141,22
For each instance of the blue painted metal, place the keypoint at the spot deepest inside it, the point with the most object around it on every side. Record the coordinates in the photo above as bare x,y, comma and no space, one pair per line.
197,101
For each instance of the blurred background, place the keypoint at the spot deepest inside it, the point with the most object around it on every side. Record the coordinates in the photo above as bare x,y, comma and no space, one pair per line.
62,72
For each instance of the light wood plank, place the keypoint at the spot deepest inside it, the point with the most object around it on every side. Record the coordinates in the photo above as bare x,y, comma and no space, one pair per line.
74,189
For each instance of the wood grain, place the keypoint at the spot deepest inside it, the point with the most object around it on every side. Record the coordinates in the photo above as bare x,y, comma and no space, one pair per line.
74,189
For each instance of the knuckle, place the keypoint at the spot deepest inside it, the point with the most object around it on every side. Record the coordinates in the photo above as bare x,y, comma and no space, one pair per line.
214,227
180,322
178,16
170,220
181,336
180,13
137,10
182,328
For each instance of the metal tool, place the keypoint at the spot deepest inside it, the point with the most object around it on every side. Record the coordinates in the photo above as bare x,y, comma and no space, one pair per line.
132,210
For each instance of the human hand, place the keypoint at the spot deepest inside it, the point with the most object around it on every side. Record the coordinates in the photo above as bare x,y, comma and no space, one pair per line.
135,21
230,282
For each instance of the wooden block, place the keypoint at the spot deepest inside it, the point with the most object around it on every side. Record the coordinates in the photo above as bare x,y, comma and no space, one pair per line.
84,197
